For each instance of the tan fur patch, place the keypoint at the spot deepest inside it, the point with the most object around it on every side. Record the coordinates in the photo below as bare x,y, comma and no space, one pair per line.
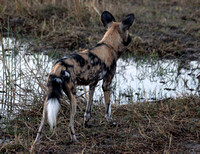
112,36
57,69
105,54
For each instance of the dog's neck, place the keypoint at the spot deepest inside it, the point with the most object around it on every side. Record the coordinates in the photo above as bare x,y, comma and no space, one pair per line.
117,53
116,45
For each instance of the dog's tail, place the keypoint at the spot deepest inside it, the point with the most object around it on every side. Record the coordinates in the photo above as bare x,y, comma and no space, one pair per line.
53,98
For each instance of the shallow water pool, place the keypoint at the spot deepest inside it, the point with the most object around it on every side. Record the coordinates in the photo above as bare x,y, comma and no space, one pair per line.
23,75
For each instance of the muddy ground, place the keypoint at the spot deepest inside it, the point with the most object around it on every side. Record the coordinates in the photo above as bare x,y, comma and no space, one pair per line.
168,29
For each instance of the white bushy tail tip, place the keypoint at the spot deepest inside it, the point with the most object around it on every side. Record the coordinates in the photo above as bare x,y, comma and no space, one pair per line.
52,111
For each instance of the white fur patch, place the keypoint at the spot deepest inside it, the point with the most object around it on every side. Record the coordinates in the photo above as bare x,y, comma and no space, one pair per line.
102,74
92,62
87,116
58,80
109,111
67,74
108,115
52,111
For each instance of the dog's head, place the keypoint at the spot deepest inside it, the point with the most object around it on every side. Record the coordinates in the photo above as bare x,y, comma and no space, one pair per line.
117,32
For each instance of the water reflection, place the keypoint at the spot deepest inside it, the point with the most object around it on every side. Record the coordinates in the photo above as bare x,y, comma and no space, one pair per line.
23,78
149,80
153,80
22,75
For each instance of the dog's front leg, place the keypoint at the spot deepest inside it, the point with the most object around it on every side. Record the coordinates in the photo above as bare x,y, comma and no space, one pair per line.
87,114
106,89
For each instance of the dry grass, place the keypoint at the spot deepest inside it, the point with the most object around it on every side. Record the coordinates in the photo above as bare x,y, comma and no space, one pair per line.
165,28
159,127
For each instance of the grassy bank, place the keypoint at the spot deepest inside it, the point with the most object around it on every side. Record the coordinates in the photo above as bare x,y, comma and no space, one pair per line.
159,127
164,28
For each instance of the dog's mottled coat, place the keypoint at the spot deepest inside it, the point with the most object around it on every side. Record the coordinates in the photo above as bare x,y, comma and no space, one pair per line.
87,68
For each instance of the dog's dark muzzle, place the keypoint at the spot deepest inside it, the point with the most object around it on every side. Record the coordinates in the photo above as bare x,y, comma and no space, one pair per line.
127,41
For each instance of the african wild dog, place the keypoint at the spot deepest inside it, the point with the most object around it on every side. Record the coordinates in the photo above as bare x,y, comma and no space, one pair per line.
87,68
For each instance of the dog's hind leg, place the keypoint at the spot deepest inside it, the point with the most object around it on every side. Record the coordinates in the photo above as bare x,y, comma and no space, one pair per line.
72,115
41,125
87,114
70,90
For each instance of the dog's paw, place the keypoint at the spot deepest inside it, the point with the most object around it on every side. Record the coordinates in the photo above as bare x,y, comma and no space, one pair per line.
74,139
108,118
87,117
113,124
86,125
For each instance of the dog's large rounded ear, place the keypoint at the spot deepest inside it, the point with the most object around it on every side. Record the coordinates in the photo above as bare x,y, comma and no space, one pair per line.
127,22
107,18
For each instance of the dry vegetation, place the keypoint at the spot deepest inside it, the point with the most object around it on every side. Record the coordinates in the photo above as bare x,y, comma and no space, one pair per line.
160,127
164,28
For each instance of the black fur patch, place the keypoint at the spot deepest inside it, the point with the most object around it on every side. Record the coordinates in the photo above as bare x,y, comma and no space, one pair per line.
99,44
56,86
94,60
113,65
62,59
126,43
63,63
107,18
79,59
63,75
